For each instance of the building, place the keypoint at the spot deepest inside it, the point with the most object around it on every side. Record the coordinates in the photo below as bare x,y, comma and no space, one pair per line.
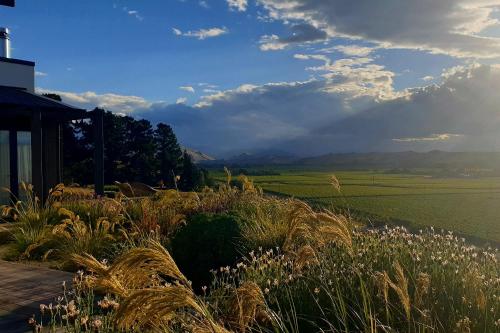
30,130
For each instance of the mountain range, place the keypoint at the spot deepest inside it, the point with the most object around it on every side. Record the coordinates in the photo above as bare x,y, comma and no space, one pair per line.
375,160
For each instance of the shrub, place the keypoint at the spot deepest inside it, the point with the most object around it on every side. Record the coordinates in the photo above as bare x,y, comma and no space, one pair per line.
33,221
207,242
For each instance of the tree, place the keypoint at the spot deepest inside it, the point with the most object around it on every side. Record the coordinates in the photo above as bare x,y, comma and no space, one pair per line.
168,154
77,160
133,151
190,174
141,151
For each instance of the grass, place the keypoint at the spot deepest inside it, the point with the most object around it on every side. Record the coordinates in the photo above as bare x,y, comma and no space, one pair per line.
301,269
466,206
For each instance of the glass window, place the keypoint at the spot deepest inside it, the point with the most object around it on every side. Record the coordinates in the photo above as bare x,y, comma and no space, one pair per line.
4,167
24,157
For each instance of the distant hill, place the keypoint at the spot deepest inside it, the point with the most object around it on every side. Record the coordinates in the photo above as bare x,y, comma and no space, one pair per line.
477,161
198,156
258,159
407,160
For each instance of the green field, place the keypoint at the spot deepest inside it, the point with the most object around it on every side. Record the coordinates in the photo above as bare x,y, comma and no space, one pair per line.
469,206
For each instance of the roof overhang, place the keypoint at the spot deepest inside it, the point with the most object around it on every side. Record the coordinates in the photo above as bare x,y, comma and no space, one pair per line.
18,102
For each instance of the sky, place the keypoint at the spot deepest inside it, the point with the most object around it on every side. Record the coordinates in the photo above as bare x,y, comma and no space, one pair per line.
305,77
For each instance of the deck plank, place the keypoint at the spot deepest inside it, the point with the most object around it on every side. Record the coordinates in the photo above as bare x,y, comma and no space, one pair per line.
22,289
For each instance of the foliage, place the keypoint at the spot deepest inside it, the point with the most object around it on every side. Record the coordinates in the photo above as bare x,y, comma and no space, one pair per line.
33,220
390,281
191,177
206,242
307,270
133,151
386,281
168,154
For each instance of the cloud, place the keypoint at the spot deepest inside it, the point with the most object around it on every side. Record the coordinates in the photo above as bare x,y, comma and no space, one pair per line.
40,74
90,100
428,78
463,110
239,5
451,27
188,89
312,117
203,4
208,85
211,91
202,33
354,50
355,76
321,115
300,33
432,137
271,43
181,100
132,12
251,116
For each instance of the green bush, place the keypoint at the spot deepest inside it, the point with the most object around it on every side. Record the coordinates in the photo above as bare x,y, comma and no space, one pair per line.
207,242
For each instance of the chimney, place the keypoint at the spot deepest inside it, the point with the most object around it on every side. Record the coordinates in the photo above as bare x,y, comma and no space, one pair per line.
4,43
14,72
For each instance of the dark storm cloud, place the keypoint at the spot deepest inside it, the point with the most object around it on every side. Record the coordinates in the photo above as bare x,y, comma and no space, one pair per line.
444,26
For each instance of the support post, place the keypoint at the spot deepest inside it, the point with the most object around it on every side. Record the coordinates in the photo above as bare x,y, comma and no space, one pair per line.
58,153
37,155
14,170
98,124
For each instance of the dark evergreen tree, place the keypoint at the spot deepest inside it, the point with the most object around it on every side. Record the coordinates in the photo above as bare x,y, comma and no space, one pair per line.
168,154
141,151
55,97
116,161
133,151
190,174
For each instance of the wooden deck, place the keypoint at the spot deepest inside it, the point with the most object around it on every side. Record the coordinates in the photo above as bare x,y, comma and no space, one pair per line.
22,289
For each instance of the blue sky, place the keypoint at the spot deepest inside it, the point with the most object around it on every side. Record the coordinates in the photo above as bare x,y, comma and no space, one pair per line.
97,45
110,50
241,61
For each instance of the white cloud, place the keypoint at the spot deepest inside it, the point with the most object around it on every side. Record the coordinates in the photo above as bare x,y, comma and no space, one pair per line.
135,14
112,102
271,43
428,78
323,115
432,137
203,4
211,91
188,89
239,5
41,74
181,100
354,50
202,33
452,27
208,85
355,77
132,12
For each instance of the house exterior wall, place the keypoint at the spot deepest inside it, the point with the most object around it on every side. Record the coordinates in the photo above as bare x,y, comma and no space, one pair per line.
18,74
